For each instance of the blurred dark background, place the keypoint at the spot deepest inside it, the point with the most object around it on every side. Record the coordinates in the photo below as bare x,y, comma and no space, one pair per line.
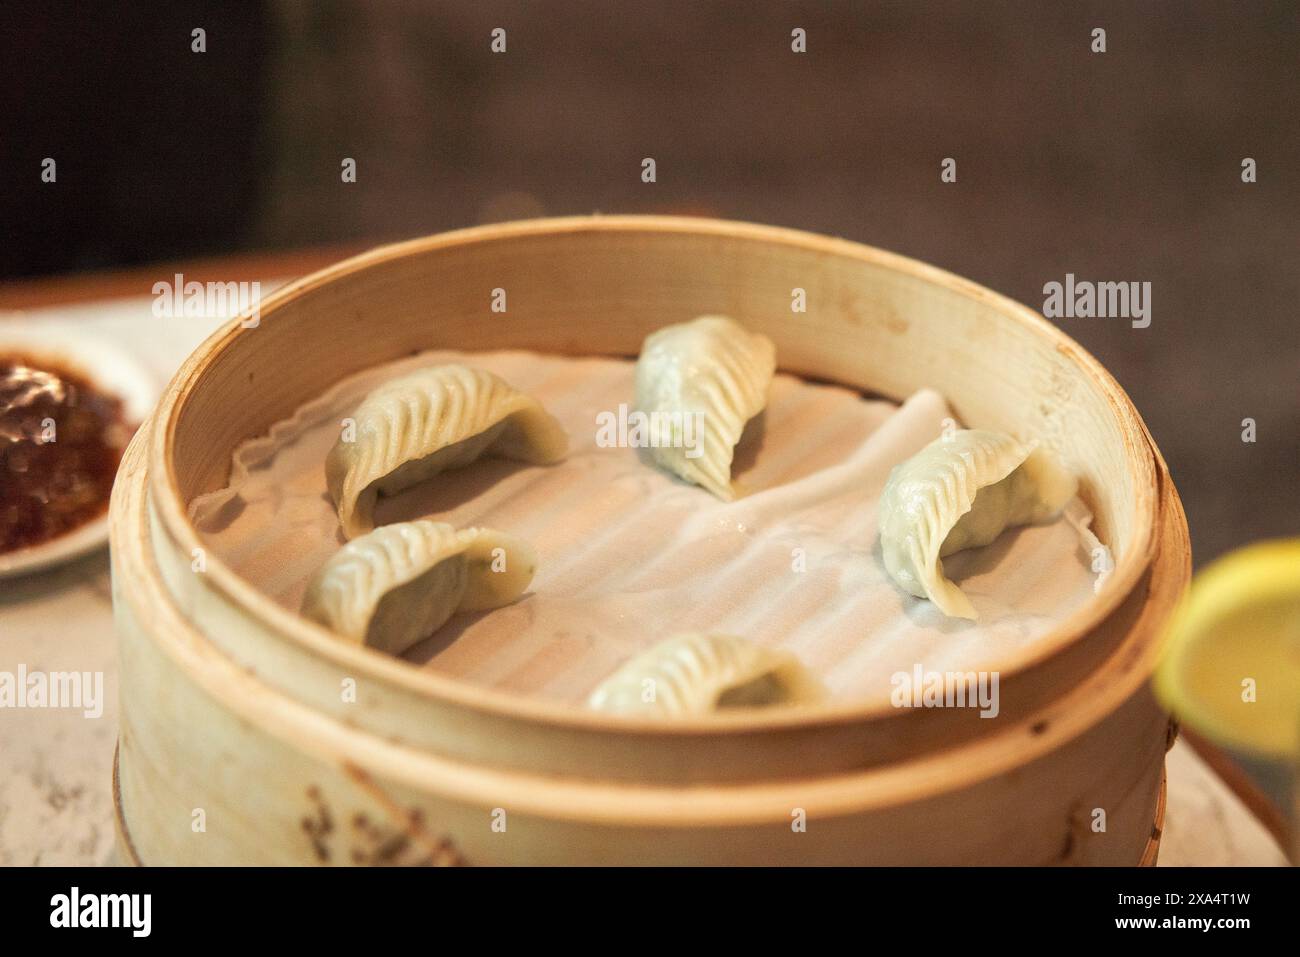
1117,166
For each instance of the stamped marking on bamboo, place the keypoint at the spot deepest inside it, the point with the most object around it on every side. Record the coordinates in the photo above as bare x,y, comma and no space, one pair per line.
372,843
379,845
409,843
318,825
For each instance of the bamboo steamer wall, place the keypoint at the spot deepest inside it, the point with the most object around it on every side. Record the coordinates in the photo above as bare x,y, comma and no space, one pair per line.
232,705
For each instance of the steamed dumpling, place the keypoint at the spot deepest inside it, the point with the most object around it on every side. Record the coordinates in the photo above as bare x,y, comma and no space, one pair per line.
961,491
413,427
710,366
399,584
694,674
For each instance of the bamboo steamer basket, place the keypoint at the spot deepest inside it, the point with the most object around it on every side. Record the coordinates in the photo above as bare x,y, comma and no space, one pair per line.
237,745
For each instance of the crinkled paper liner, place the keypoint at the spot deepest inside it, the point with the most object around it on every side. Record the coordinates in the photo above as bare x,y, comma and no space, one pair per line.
630,555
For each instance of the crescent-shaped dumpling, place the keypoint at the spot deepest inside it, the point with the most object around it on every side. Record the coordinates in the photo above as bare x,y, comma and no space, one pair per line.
712,367
961,491
399,584
413,427
694,674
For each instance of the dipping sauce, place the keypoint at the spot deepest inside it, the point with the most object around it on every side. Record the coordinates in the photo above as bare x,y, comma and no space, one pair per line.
61,439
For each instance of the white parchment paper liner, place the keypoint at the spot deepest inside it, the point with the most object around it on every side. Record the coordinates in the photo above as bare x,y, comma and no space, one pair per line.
630,555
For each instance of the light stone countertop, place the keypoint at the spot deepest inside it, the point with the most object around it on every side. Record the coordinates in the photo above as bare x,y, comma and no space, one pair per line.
56,766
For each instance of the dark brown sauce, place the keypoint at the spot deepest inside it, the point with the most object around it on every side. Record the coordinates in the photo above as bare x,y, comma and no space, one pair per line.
61,439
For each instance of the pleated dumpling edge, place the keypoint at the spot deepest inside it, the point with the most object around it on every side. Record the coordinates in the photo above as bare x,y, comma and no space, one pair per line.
417,425
962,491
397,585
697,674
711,367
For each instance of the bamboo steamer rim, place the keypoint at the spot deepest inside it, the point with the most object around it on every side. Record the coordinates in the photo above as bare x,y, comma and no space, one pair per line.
1139,452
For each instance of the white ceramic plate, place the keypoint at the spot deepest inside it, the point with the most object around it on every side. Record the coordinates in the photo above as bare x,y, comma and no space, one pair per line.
111,367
